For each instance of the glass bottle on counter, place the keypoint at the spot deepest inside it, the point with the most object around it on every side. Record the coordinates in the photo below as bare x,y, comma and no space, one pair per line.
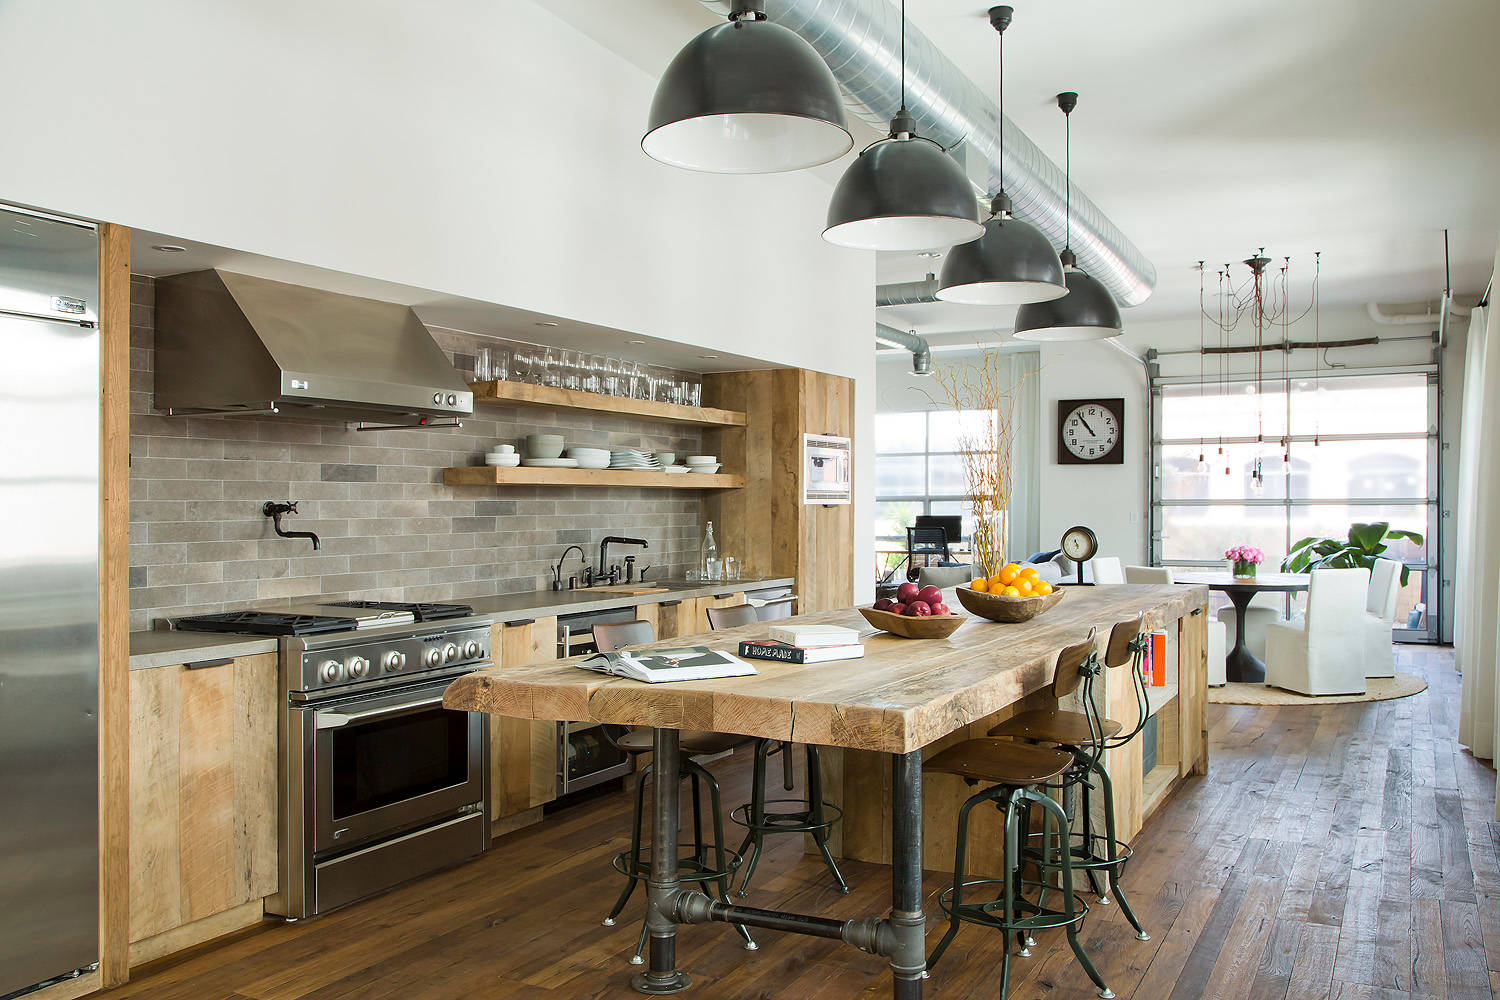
708,555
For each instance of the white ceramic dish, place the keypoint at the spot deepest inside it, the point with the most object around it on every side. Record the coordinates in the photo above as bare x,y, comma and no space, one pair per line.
550,463
701,460
590,458
508,461
504,449
666,457
676,469
706,470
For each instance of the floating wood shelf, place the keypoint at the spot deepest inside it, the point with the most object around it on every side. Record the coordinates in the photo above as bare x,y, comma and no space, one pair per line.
1159,698
524,394
1156,786
493,475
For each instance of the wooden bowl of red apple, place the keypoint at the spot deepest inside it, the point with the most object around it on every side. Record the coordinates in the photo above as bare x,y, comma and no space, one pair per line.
916,613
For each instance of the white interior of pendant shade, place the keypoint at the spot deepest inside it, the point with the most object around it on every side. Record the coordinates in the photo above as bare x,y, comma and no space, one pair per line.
1069,333
744,143
904,232
1002,293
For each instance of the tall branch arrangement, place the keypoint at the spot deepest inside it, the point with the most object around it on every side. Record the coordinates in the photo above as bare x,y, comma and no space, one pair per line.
985,446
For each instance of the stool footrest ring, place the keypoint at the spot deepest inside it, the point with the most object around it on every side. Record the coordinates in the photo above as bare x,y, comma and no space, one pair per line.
987,913
788,821
689,867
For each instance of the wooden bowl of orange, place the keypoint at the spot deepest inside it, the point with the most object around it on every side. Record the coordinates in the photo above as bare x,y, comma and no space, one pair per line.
1015,594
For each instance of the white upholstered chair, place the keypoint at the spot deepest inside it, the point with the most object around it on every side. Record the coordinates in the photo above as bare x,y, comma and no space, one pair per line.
1218,652
1106,569
1264,609
1148,574
1322,653
1379,615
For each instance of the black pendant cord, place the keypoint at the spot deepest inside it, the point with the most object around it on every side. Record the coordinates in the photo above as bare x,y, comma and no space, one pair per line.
903,57
1068,180
1000,94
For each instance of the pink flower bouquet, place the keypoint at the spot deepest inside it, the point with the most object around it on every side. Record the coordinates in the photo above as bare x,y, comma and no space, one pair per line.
1243,559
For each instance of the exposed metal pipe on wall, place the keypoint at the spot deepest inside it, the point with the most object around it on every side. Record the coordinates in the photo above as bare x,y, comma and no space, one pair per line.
906,293
921,351
860,41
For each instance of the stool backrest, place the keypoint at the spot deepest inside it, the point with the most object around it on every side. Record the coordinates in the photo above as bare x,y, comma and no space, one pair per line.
739,614
616,636
775,610
1069,670
1119,651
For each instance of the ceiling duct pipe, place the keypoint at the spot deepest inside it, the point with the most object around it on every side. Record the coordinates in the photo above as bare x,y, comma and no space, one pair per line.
907,293
921,352
860,40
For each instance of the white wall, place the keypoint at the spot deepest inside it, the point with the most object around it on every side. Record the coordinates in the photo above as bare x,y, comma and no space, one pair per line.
474,148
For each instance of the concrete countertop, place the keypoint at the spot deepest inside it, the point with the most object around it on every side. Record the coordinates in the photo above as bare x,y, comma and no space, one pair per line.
162,648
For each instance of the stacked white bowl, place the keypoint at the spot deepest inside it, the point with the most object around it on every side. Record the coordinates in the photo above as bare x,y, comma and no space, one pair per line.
590,458
503,455
706,464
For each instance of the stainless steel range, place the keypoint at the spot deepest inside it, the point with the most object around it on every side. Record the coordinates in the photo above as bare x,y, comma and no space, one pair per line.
379,782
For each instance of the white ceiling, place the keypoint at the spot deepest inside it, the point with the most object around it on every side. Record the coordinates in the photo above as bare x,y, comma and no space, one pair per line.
1361,128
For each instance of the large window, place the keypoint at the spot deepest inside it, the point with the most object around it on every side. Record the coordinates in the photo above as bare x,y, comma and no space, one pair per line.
1332,451
920,470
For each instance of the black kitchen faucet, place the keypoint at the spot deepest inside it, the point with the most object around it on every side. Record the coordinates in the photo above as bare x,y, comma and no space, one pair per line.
612,572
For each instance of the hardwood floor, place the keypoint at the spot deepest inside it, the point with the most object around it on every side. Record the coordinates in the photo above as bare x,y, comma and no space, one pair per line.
1345,851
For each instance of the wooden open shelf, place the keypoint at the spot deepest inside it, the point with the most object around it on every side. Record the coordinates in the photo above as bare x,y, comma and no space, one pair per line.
524,394
1158,698
1156,786
492,475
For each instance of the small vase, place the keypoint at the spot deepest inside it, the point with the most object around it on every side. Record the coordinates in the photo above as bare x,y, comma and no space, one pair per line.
1242,569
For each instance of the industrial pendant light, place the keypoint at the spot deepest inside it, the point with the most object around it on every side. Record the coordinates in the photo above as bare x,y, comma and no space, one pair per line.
903,192
1088,311
747,97
1012,263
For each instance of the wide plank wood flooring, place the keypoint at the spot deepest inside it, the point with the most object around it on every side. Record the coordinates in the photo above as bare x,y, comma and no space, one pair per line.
1345,851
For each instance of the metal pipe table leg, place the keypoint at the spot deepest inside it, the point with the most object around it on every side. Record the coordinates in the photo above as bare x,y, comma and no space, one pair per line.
907,924
662,975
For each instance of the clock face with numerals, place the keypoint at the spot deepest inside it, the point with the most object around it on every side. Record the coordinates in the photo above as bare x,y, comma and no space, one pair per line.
1090,431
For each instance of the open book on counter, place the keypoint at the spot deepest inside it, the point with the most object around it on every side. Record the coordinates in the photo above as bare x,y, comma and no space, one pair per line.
655,666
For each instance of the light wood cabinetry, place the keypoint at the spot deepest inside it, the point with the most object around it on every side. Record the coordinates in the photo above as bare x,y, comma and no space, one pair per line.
689,616
203,803
523,753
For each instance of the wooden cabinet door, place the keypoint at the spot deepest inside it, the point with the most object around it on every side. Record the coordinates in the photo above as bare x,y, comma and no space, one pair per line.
523,752
203,780
688,616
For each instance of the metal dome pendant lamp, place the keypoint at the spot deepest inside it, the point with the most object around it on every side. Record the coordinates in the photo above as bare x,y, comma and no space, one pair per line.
903,192
1012,263
1088,311
747,97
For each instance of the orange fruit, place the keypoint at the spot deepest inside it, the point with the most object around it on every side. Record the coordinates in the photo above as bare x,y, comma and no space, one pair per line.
1042,588
997,583
982,585
1029,573
1023,585
1008,573
1010,592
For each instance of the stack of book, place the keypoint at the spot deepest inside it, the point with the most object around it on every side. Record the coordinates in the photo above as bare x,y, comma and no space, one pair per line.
805,644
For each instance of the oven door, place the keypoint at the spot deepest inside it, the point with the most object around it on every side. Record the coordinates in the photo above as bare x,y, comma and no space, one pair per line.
385,763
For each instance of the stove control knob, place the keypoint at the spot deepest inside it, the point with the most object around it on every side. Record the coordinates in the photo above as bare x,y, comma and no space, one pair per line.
433,657
394,661
358,667
471,650
450,653
330,671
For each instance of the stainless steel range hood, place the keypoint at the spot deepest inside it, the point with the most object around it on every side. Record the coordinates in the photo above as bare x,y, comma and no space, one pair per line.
233,344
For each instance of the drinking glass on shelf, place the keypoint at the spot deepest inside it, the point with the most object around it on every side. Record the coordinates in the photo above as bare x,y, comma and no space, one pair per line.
713,569
525,365
482,364
499,364
550,373
694,393
731,568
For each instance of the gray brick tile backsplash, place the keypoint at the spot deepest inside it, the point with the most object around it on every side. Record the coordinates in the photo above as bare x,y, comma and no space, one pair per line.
390,527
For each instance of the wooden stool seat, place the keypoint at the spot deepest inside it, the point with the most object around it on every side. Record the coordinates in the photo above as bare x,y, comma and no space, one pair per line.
1000,762
693,742
1051,725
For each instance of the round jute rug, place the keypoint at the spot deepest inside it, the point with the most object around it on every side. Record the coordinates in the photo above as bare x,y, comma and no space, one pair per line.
1376,689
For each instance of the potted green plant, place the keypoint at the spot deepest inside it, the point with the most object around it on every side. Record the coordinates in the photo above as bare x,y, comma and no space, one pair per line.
1365,544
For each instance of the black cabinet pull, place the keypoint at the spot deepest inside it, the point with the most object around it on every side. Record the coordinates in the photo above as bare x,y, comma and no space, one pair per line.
519,622
720,597
204,664
670,604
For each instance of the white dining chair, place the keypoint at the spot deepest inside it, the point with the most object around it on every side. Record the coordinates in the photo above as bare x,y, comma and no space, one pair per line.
1218,653
1148,574
1321,652
1378,618
1106,569
1264,609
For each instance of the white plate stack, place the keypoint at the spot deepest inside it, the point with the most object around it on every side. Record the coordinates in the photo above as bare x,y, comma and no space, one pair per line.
629,458
705,464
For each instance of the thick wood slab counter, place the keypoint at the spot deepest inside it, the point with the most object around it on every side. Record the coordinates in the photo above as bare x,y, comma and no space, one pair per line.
903,695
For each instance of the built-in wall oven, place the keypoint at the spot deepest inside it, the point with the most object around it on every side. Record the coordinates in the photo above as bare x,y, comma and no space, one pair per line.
586,754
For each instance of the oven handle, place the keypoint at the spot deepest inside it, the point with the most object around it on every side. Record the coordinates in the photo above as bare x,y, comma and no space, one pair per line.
333,720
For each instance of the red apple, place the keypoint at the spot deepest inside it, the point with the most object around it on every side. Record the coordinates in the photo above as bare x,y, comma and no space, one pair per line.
897,609
930,595
907,592
884,604
941,609
918,609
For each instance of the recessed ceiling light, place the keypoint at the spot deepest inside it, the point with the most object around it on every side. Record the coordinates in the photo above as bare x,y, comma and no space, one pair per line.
547,323
635,341
709,357
169,248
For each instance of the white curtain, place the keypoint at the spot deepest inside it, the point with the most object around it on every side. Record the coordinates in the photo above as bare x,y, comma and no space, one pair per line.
1476,631
1025,519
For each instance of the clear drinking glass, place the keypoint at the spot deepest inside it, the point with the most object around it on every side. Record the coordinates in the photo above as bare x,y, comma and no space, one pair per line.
731,568
482,365
499,364
713,569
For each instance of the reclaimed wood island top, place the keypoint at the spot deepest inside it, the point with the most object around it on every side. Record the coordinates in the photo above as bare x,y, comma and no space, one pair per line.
902,695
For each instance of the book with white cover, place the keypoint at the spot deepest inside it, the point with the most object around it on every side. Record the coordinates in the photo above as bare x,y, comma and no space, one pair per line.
688,663
809,636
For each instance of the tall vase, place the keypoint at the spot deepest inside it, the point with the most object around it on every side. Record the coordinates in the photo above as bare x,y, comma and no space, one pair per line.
1242,569
989,541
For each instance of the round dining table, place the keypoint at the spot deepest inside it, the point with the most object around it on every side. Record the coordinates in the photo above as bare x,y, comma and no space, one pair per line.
1240,664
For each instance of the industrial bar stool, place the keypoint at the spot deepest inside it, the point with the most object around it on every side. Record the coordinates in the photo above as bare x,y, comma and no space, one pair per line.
1017,776
635,863
1086,737
815,817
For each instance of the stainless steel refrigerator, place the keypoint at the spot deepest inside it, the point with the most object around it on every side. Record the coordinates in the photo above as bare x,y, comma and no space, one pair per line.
49,598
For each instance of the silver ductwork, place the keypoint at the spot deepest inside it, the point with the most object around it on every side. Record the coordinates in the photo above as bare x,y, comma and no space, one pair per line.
860,41
921,352
907,293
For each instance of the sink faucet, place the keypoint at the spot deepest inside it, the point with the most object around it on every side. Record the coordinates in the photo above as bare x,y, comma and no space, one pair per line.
604,551
557,570
277,510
